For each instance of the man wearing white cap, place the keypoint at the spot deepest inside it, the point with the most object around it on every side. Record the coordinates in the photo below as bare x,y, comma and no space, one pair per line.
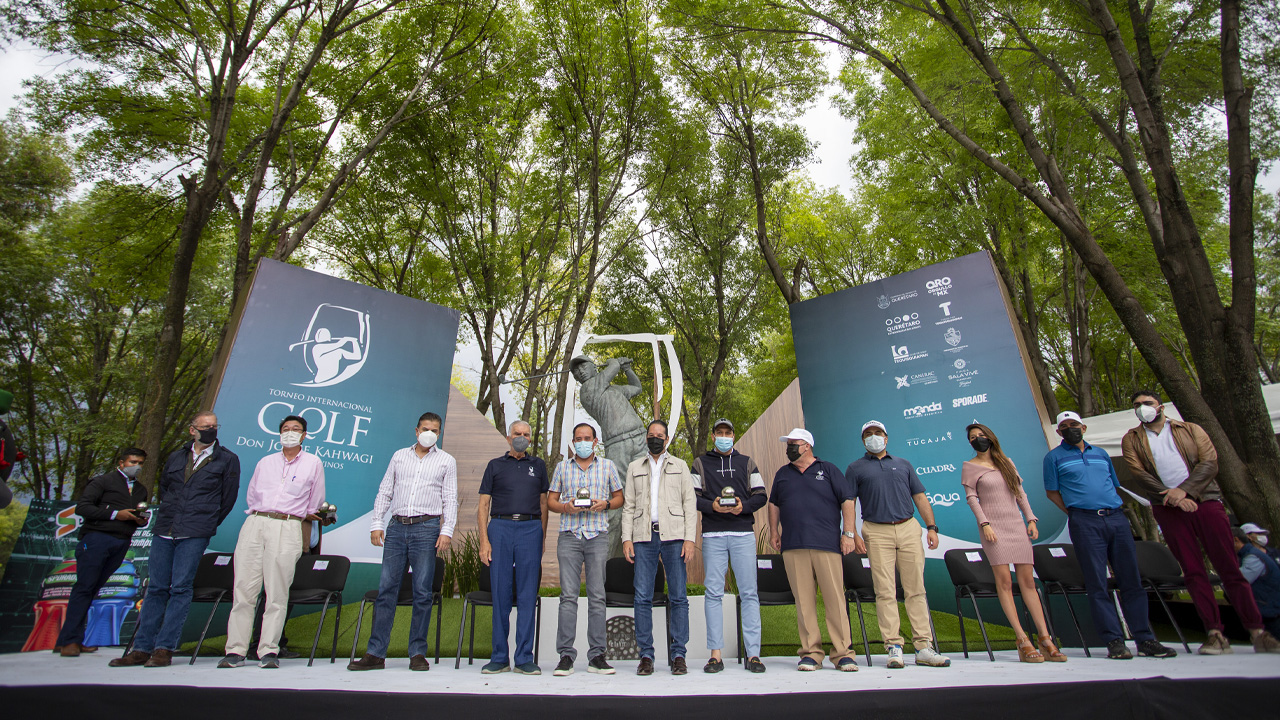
1081,481
1258,536
811,501
891,493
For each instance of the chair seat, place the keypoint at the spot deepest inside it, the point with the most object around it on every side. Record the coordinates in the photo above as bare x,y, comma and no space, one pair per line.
777,598
624,600
1164,582
209,594
316,596
480,597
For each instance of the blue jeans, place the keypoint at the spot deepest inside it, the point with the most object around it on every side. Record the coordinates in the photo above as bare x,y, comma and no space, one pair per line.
171,569
415,546
717,555
1099,540
98,555
517,559
646,571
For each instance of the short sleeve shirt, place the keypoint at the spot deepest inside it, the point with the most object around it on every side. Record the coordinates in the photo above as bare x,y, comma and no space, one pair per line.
1087,480
809,505
515,484
885,486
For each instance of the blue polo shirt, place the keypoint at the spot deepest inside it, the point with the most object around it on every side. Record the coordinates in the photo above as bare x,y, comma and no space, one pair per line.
885,486
809,505
515,484
1087,480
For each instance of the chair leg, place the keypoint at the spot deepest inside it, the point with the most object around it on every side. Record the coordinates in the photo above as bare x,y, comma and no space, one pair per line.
537,629
315,643
462,627
982,626
1169,614
1076,621
862,623
205,631
471,648
439,621
964,642
337,622
1048,615
355,638
742,643
933,632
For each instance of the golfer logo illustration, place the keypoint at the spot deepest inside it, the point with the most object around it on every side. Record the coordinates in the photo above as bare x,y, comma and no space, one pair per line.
334,346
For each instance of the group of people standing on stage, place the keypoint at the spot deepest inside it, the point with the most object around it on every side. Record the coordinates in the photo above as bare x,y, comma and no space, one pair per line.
812,520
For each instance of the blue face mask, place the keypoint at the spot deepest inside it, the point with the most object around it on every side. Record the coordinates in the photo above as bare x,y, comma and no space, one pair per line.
724,444
583,448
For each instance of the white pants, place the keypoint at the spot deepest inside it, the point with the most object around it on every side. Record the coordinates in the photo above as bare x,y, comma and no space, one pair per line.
266,553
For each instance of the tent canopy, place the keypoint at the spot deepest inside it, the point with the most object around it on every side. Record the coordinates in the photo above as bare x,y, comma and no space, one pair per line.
1105,431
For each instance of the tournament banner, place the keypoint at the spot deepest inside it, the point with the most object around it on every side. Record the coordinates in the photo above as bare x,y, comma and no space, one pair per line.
39,575
360,364
926,353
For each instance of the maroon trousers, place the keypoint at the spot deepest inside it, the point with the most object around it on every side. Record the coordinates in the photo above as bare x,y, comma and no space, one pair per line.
1207,527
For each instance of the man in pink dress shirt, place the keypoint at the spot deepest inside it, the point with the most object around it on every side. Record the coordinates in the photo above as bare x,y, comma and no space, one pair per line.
286,487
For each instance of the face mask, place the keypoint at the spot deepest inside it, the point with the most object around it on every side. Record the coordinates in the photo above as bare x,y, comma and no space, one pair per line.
1260,539
724,444
981,444
208,436
793,452
291,438
519,443
1073,435
584,448
427,439
1147,414
656,445
131,471
875,443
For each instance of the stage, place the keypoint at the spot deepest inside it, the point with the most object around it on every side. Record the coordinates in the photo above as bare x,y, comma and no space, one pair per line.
1240,685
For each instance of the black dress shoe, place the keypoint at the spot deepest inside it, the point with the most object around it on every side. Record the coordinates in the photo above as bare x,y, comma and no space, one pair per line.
646,667
419,662
679,667
754,665
714,665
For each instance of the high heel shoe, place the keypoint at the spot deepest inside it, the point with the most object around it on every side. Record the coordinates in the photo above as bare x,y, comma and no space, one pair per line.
1027,652
1050,652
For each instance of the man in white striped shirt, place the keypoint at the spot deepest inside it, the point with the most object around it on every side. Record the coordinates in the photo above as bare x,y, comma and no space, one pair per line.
420,490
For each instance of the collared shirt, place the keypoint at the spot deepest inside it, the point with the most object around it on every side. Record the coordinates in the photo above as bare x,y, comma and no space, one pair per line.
202,455
413,485
1171,469
655,477
293,487
600,478
1087,480
885,486
128,481
516,485
809,505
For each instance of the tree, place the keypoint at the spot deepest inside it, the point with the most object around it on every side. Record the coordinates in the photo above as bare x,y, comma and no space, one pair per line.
34,174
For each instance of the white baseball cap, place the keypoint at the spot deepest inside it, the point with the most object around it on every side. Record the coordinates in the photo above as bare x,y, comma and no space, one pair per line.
874,423
1067,415
1253,529
798,434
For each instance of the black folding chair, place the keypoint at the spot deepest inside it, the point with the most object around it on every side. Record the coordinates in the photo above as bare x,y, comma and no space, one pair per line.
772,587
1161,573
859,587
1060,573
319,580
971,573
405,599
484,598
620,588
215,582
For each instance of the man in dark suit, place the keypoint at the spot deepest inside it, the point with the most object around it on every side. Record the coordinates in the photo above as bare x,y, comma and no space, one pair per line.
197,489
108,505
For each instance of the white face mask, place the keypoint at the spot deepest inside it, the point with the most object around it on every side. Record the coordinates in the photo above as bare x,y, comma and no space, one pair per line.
427,439
291,438
1260,539
1147,414
875,443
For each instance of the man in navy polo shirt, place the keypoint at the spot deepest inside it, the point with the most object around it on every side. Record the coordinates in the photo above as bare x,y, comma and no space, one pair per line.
513,523
811,499
1081,481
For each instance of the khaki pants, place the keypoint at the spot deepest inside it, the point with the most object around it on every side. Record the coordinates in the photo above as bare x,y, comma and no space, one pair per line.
266,553
898,547
803,567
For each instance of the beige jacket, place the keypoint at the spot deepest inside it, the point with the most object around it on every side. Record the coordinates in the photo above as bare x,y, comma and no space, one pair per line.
1197,452
677,502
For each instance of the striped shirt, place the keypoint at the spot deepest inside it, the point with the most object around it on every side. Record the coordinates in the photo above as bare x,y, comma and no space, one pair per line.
413,485
601,479
293,487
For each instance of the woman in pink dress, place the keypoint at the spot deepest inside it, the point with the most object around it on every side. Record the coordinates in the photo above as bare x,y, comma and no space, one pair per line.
994,492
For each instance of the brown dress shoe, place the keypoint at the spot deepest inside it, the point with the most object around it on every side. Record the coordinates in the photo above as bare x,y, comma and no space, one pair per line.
646,667
679,667
70,650
419,662
84,649
160,657
369,662
135,658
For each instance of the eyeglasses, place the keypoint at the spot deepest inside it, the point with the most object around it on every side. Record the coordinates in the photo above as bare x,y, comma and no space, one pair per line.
206,427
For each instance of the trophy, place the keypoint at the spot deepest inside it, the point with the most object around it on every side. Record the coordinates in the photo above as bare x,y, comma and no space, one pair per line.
727,497
328,513
582,499
142,512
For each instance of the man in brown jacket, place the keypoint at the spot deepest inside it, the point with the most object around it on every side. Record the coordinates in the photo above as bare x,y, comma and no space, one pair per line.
1175,465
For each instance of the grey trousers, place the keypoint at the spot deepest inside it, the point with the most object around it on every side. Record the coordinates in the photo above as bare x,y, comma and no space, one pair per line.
573,553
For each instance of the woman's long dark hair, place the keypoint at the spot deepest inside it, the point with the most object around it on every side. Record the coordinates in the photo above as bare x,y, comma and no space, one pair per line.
1003,464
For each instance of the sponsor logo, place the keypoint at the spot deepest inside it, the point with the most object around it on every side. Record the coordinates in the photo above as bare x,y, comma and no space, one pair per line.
952,336
931,469
883,302
962,376
913,379
947,317
902,323
939,286
902,354
969,400
959,364
903,381
334,346
917,441
920,411
67,520
944,499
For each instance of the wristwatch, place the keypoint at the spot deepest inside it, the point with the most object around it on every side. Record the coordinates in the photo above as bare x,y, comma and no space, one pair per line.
850,535
931,527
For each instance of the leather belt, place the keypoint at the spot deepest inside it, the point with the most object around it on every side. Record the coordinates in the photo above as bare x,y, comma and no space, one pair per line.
892,522
276,515
1103,511
413,519
656,528
516,516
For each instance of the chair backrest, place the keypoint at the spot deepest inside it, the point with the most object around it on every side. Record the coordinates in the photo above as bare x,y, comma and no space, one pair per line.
771,574
321,572
620,577
437,580
1057,564
857,573
215,572
1156,560
968,567
485,583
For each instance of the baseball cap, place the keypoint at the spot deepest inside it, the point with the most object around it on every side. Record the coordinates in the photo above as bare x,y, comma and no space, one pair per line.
874,423
798,434
1254,529
722,421
1067,415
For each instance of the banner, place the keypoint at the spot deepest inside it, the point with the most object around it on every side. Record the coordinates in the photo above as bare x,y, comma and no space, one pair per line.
360,364
926,353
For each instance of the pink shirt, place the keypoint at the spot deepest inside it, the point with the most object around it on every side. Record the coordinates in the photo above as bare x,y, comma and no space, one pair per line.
293,488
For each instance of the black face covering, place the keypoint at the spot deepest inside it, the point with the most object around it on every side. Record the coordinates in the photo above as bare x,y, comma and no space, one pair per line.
1073,435
793,452
981,444
208,436
656,445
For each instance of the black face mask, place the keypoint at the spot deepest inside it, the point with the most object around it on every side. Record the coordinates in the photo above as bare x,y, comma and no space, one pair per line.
981,444
656,445
793,452
1073,435
208,436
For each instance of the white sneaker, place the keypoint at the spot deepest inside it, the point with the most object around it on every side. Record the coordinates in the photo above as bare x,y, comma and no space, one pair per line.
895,657
927,656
